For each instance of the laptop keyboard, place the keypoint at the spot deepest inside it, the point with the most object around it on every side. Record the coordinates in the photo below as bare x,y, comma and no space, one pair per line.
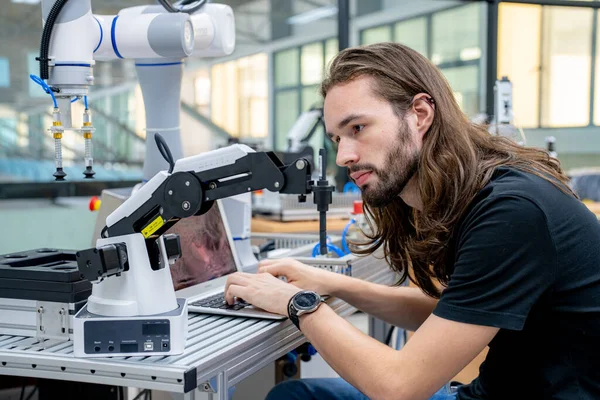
218,301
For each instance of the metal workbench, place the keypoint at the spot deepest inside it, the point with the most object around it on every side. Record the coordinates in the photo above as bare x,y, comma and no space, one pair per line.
228,349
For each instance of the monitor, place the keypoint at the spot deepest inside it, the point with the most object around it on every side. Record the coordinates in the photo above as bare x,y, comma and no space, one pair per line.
207,250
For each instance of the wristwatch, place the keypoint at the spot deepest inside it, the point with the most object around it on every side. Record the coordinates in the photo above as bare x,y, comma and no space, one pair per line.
303,302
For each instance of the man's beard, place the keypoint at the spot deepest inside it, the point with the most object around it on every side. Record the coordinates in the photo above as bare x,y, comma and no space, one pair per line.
402,163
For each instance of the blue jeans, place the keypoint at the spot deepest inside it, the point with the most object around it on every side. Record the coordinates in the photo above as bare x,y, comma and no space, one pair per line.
331,389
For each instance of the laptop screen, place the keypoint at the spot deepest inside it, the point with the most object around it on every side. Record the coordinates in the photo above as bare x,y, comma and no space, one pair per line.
206,249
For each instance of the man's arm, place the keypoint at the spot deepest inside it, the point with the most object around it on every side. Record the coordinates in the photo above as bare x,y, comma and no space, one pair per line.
437,351
400,306
405,307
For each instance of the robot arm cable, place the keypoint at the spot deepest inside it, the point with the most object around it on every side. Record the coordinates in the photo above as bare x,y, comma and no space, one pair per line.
46,34
164,151
170,8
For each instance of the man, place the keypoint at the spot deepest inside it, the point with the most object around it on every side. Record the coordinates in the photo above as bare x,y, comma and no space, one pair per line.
503,253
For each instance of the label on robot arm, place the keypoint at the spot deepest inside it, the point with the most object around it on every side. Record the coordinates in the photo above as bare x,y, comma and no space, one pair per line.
153,226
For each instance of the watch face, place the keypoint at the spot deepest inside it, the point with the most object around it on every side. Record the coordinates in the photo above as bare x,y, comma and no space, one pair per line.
306,300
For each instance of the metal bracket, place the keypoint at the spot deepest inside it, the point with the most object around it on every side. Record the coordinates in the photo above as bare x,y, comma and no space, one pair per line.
206,387
52,321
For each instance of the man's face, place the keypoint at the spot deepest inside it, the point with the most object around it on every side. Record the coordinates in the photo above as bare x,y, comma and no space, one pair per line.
378,147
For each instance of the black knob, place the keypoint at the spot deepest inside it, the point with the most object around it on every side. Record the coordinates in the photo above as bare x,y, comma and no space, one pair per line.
289,369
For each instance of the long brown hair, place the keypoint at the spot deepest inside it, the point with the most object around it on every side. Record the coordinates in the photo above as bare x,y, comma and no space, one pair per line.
457,160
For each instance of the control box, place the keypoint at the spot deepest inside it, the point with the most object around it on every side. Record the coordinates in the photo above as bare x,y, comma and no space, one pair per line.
144,335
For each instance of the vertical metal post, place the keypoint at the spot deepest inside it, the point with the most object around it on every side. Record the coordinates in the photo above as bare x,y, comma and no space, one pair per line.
343,43
343,24
491,56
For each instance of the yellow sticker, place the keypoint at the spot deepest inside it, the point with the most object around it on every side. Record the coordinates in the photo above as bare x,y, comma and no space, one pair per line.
153,226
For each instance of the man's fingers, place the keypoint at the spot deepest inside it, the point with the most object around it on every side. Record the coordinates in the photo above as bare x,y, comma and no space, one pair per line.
272,261
239,278
234,291
269,261
274,269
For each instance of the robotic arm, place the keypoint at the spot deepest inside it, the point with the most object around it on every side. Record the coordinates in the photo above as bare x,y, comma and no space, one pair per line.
133,309
74,38
133,247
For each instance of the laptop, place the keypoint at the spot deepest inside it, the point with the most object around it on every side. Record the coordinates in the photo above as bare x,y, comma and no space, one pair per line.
208,257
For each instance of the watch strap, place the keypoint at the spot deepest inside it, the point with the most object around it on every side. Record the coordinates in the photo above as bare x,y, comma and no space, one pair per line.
292,313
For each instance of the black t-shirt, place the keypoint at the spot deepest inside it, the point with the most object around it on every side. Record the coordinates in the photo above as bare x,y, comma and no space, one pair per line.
527,260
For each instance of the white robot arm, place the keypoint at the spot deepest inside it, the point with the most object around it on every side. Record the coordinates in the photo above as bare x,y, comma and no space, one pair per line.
129,266
303,129
132,246
158,40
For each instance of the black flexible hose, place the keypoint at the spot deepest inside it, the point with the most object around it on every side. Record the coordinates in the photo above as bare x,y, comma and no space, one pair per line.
169,7
164,151
46,35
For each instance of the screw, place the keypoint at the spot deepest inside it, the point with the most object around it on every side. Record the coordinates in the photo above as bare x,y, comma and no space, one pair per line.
300,164
212,185
185,205
276,184
161,210
249,189
170,192
187,183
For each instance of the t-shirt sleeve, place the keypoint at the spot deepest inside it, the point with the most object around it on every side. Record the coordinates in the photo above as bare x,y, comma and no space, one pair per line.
505,260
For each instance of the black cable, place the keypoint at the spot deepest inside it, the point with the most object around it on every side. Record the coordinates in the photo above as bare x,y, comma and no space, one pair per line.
103,232
164,150
32,393
140,394
22,393
388,337
169,7
269,246
46,35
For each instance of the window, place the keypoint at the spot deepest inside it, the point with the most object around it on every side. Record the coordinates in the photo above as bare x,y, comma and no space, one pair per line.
413,33
331,49
312,64
456,35
546,52
202,92
287,64
566,66
465,84
376,35
519,35
455,47
298,74
4,72
286,110
239,96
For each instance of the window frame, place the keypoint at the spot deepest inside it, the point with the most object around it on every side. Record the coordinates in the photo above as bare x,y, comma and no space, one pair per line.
477,62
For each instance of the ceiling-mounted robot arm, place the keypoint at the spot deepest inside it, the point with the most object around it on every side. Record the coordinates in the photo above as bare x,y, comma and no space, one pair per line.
304,128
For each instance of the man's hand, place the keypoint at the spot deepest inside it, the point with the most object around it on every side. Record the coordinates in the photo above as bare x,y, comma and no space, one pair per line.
300,275
261,290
